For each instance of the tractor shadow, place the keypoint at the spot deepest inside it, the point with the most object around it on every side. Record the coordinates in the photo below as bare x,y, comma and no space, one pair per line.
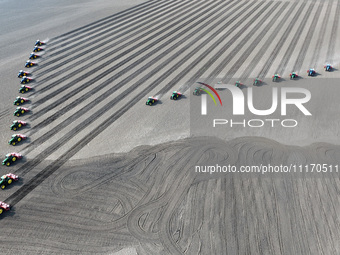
30,82
14,163
155,103
9,213
263,83
26,93
23,104
242,86
30,113
38,56
296,79
178,99
314,75
32,67
279,80
332,70
19,162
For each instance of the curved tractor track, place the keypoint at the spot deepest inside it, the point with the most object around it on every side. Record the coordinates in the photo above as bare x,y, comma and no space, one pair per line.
90,78
157,204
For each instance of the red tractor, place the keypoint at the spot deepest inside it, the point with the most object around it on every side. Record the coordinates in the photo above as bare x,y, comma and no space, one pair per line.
4,207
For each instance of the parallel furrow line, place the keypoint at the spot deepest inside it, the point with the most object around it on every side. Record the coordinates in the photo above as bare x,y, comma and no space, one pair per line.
199,32
316,52
282,41
100,22
251,47
118,65
199,72
121,55
103,38
239,46
108,28
245,75
331,45
289,52
109,46
308,38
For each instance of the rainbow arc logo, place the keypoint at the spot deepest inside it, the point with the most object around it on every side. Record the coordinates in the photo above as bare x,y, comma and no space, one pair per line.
204,97
209,93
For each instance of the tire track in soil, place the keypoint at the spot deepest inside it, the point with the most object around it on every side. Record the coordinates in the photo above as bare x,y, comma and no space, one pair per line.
331,45
180,188
289,52
149,203
234,52
4,112
280,44
308,38
322,32
231,72
276,197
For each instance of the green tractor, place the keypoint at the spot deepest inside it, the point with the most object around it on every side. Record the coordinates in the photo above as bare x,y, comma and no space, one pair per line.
276,77
7,179
198,91
175,95
151,101
257,82
238,84
293,75
11,158
17,138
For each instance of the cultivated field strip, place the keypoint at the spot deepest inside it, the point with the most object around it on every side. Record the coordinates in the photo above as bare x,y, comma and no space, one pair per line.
321,37
100,22
236,66
145,37
230,73
332,40
231,42
254,62
289,52
152,49
104,40
218,43
159,203
103,34
285,35
306,42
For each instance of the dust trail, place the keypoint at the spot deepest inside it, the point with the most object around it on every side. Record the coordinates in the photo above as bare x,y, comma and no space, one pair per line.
159,96
183,88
